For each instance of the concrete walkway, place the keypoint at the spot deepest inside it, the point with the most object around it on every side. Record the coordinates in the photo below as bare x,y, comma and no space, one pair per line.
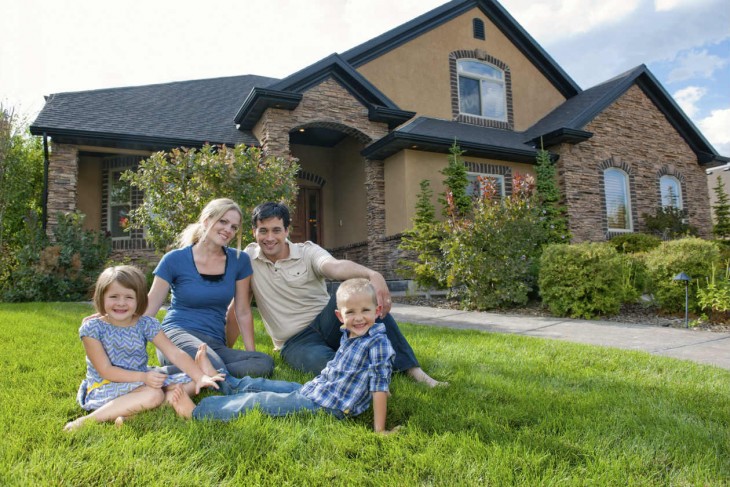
699,346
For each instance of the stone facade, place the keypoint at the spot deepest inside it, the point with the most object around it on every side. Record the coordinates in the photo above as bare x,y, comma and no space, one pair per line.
633,135
63,169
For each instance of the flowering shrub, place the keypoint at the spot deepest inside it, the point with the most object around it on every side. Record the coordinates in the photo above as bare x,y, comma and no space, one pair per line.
492,255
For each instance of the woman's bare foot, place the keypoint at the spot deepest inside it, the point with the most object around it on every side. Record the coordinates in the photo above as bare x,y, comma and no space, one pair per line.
417,374
119,422
180,401
201,358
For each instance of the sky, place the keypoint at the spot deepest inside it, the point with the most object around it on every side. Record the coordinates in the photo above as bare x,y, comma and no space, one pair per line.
48,46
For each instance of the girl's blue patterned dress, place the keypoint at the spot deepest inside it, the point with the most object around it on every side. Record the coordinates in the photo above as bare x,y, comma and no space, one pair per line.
126,348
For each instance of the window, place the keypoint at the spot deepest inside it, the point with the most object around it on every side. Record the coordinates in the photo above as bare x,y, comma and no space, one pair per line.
120,202
481,90
671,191
618,204
474,187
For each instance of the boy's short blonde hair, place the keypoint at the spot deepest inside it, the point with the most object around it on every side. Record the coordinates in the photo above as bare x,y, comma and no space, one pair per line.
358,285
127,276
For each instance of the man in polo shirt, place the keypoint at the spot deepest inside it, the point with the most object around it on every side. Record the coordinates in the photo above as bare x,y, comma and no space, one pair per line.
291,294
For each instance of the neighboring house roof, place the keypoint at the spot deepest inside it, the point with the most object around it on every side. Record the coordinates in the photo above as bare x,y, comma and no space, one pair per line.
566,122
434,135
185,113
390,40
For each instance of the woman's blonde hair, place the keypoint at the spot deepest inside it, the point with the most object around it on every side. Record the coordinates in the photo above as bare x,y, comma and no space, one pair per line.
212,212
127,276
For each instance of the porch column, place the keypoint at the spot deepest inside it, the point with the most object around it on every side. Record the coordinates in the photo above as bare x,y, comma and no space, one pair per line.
63,174
272,130
375,191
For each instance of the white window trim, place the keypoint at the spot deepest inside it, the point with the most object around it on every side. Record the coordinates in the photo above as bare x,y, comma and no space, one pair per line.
627,193
479,79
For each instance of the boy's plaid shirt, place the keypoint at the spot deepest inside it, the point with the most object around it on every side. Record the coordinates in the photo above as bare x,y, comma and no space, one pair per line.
361,365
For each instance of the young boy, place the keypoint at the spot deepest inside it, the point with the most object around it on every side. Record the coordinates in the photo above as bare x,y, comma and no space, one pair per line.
361,369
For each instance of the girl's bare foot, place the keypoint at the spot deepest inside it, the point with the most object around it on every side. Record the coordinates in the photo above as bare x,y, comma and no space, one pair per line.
119,422
75,424
180,401
201,358
417,374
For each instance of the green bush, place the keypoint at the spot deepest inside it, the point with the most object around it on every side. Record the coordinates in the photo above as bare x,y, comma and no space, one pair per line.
582,280
668,223
64,269
631,243
693,256
713,296
493,256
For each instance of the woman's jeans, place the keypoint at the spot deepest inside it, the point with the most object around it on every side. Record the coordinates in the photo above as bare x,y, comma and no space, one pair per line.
271,397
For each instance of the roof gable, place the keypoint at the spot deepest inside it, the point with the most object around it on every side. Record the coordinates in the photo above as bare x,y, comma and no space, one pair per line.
390,40
288,92
569,119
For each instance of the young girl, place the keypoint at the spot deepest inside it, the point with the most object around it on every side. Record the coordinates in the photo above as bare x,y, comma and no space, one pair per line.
118,381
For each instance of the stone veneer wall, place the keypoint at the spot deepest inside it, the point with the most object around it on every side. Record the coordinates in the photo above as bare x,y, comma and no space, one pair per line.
63,170
330,105
388,259
633,135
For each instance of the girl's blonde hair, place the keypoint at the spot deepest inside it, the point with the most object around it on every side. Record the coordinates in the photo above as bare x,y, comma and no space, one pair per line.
213,211
127,276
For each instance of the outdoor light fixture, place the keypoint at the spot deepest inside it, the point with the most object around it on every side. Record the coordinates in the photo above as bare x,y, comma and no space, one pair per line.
684,277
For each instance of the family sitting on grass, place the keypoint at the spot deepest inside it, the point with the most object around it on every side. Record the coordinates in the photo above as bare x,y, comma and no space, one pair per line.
205,276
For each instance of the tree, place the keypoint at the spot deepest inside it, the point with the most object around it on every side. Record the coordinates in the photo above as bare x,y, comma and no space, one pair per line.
21,177
456,183
722,210
553,218
177,185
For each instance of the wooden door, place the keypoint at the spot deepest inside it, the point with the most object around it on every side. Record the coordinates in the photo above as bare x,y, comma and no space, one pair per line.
307,221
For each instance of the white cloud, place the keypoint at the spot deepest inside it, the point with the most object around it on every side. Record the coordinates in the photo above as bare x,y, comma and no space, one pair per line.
695,64
666,5
716,128
688,98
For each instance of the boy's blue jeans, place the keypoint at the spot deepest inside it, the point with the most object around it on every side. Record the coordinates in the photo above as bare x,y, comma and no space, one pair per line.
311,349
272,397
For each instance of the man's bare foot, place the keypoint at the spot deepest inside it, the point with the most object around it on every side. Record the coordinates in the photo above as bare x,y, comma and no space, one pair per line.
119,422
75,424
201,358
417,374
180,401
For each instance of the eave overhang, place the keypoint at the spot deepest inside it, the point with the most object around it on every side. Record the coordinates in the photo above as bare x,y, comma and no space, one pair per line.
395,142
259,100
562,135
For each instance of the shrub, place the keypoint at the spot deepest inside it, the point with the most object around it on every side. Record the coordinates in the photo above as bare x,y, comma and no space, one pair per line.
494,255
631,243
669,223
62,270
713,298
582,280
690,255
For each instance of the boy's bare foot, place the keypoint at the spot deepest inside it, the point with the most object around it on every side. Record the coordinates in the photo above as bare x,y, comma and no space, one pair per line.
119,422
201,358
417,374
180,401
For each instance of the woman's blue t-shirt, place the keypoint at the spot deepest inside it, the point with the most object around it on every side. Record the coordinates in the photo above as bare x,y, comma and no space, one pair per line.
198,304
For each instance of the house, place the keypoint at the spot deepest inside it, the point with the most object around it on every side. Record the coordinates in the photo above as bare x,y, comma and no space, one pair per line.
369,124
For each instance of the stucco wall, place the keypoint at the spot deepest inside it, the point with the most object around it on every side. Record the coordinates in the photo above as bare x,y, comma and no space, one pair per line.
424,63
633,134
89,193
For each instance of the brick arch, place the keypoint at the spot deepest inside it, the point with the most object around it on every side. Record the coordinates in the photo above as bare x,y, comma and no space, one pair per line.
480,55
339,127
319,181
613,163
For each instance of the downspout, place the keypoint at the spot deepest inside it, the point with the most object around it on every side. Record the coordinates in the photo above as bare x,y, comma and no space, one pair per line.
44,199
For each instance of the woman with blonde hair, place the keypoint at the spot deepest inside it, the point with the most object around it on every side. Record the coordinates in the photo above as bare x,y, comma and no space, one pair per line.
204,275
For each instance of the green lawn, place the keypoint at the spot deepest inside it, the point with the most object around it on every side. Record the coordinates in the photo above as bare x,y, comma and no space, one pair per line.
519,411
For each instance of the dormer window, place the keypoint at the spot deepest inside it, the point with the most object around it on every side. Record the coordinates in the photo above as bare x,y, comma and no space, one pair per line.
481,90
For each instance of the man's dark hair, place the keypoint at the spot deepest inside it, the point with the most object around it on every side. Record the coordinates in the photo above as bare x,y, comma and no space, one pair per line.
270,210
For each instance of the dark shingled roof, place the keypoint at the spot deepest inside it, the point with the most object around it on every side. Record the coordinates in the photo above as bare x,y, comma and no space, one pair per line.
179,113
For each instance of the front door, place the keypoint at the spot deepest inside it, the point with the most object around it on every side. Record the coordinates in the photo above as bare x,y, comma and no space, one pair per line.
307,222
